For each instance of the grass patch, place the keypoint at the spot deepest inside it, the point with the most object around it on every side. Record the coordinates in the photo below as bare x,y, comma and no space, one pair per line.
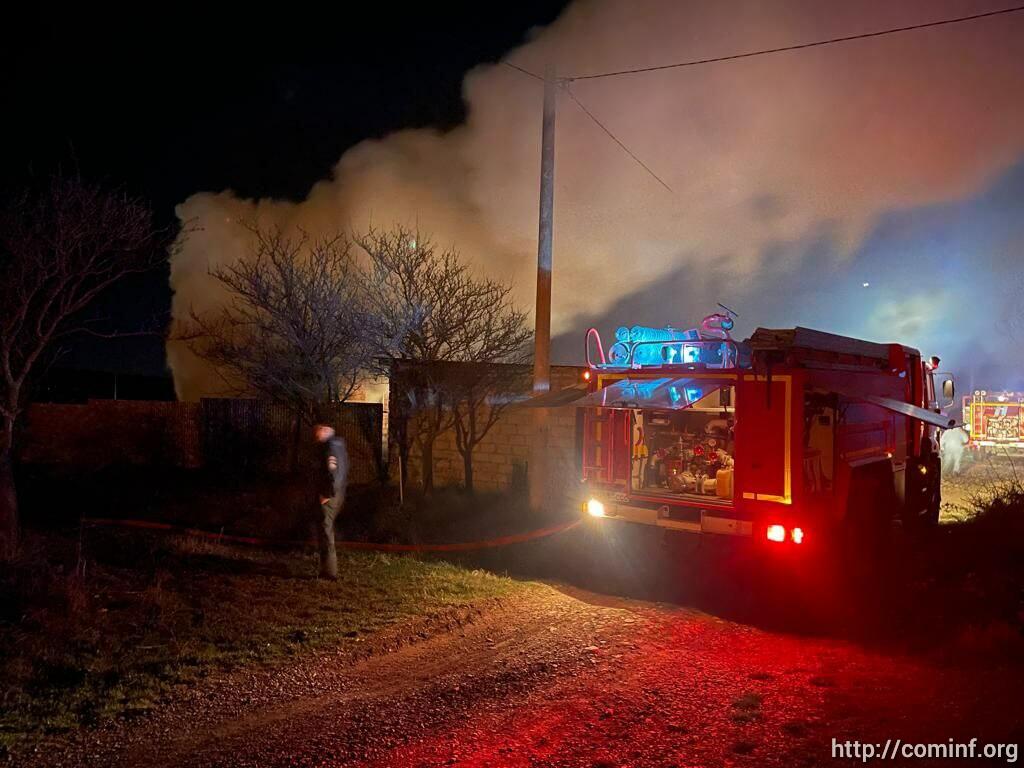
961,589
111,626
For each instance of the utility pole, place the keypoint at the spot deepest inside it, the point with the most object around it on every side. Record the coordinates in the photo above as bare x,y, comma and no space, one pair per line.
537,469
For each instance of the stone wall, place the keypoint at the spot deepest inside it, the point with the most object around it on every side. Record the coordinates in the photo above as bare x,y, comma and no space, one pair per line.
500,460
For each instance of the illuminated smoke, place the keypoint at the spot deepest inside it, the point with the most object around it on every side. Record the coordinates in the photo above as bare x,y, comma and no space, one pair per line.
952,448
761,154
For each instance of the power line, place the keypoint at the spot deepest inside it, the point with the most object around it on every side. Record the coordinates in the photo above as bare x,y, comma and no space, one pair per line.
612,136
745,55
797,47
524,71
588,113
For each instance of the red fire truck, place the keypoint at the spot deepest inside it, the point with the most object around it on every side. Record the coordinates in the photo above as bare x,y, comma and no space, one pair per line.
782,438
994,420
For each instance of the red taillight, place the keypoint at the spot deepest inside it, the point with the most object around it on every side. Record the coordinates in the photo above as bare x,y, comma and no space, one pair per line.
797,534
586,375
777,533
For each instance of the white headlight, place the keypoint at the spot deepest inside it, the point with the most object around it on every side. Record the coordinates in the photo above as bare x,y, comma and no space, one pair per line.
595,508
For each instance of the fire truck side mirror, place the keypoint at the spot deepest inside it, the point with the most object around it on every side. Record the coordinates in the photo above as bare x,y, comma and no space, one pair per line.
948,392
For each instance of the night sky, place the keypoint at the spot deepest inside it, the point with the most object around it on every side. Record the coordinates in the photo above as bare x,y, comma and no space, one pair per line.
796,179
260,103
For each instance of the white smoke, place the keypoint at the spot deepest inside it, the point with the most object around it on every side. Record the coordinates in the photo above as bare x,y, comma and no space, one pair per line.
952,447
770,150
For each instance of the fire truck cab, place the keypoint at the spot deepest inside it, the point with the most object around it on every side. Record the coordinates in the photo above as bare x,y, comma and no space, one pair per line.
783,438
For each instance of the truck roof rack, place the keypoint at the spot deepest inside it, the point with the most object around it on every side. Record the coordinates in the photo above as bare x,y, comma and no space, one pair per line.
708,346
711,347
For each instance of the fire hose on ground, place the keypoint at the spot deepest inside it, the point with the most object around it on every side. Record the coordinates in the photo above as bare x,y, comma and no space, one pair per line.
259,541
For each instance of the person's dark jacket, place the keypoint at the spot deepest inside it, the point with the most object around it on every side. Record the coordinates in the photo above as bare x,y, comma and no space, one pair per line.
331,475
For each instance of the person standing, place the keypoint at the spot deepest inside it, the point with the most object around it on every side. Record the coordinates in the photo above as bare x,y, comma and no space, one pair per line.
952,447
330,478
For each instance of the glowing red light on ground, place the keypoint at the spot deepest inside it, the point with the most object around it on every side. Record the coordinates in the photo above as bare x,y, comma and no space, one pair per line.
777,533
797,534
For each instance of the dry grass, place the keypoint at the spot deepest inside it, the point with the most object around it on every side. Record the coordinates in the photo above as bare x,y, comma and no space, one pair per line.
110,628
964,493
968,577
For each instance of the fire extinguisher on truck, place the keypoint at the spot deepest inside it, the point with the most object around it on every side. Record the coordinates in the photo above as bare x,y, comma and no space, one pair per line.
785,438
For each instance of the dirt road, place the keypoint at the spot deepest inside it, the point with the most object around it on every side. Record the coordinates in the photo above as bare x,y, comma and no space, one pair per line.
564,678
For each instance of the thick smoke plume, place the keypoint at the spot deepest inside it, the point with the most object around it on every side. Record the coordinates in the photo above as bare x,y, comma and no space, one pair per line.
769,159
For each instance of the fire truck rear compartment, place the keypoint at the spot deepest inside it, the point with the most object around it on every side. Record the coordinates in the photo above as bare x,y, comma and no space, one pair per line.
681,455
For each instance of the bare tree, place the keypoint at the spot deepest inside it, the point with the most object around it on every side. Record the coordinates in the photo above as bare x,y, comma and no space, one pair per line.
480,388
431,310
412,289
60,248
294,328
421,415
